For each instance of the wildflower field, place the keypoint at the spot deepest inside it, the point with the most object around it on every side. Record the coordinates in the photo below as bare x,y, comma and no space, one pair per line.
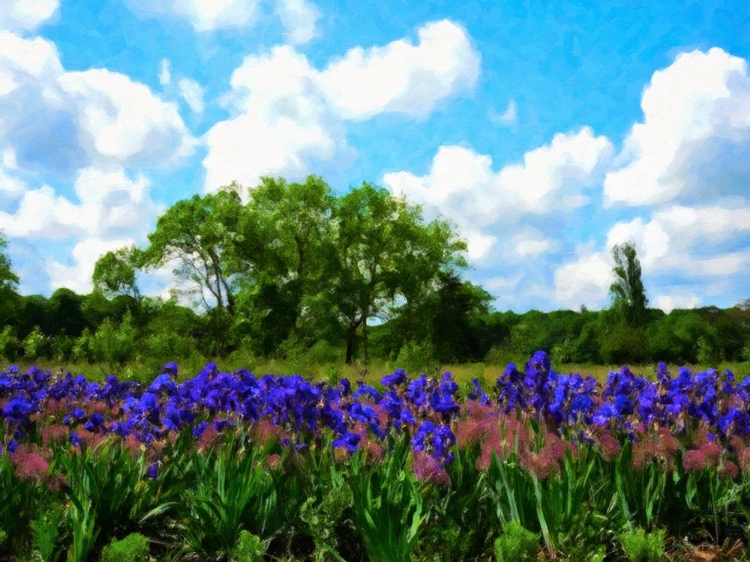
231,466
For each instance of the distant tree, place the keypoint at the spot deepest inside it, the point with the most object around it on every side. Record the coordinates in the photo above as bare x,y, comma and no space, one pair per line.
66,314
628,292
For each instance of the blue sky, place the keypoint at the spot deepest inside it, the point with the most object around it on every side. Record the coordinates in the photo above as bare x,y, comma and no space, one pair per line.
546,131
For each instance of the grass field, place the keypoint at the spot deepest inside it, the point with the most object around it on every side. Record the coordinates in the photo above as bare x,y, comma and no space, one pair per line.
463,373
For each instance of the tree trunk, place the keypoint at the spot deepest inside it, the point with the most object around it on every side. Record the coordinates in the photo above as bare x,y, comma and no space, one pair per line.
350,344
364,340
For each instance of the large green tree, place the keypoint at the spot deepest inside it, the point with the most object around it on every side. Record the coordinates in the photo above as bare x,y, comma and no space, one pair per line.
196,237
284,233
383,255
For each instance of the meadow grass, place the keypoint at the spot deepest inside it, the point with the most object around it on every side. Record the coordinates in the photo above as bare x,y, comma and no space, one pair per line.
463,373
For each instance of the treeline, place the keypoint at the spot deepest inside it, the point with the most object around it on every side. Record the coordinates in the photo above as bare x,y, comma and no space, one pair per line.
288,270
67,327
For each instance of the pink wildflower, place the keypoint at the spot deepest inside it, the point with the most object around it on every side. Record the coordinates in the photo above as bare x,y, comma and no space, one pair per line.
429,469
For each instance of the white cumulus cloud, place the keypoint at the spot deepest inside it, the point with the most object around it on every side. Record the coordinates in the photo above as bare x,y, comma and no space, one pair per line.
401,77
462,185
63,121
289,118
694,141
299,18
584,280
203,15
282,124
112,210
165,72
508,117
26,15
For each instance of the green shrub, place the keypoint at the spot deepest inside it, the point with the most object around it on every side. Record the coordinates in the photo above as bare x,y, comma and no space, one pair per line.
249,548
640,546
516,543
133,548
416,358
35,345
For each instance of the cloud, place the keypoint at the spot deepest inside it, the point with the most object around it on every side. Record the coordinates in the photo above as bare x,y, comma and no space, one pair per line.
112,210
289,118
298,18
462,186
401,77
585,280
165,73
203,15
683,251
529,243
697,241
282,125
85,253
11,187
26,15
670,302
58,121
122,121
192,93
694,141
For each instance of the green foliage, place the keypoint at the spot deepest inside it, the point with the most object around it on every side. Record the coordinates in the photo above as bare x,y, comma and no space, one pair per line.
628,292
112,344
516,544
640,546
418,357
35,345
230,490
9,344
162,346
250,548
388,507
8,279
462,517
115,274
132,548
622,344
563,352
708,354
46,532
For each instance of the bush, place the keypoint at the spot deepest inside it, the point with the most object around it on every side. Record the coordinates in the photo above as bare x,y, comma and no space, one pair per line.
416,358
516,543
640,546
249,548
36,344
115,345
133,548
